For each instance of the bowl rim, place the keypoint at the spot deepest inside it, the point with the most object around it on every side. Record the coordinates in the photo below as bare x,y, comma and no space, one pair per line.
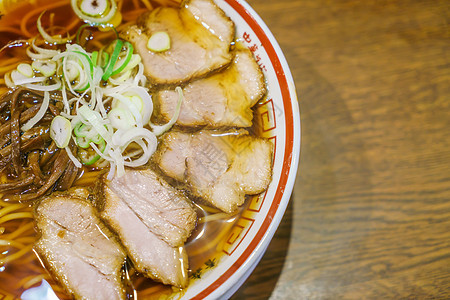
234,276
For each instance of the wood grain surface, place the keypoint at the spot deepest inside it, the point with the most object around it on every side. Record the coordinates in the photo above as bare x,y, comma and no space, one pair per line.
370,213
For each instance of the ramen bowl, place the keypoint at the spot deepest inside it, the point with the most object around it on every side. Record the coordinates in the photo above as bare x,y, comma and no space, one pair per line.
277,118
230,248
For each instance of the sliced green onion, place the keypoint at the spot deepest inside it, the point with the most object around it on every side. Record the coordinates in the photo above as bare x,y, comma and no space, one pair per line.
80,31
82,142
88,7
103,59
40,53
131,107
44,88
8,81
114,56
94,119
80,130
60,131
89,60
90,157
158,130
121,118
20,79
45,67
121,78
85,16
52,40
159,42
94,58
137,135
124,61
134,61
97,139
25,69
71,69
38,116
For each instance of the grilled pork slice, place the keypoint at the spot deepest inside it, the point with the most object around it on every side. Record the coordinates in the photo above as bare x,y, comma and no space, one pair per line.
223,99
150,255
164,210
221,168
200,36
77,248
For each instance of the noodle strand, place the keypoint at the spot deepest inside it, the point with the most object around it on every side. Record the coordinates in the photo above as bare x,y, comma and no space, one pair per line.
22,229
37,11
18,254
15,216
10,208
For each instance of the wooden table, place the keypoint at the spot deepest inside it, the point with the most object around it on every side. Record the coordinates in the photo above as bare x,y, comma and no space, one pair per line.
370,213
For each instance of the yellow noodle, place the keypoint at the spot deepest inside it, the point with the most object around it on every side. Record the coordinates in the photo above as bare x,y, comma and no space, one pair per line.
103,35
36,265
11,243
8,68
208,209
33,280
15,216
20,230
30,259
152,290
27,279
215,241
26,240
34,12
10,61
74,23
10,208
136,4
16,255
133,15
10,29
89,178
215,217
147,4
125,25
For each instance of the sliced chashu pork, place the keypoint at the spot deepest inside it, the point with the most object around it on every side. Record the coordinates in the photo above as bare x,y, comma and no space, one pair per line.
164,210
200,36
150,255
223,99
219,167
78,249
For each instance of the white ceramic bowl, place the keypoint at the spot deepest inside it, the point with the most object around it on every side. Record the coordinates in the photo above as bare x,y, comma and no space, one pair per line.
280,120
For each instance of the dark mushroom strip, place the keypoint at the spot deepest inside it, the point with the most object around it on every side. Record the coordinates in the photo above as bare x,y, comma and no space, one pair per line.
27,144
54,110
35,143
49,155
5,98
33,166
57,170
68,178
17,184
37,130
15,133
3,104
24,117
